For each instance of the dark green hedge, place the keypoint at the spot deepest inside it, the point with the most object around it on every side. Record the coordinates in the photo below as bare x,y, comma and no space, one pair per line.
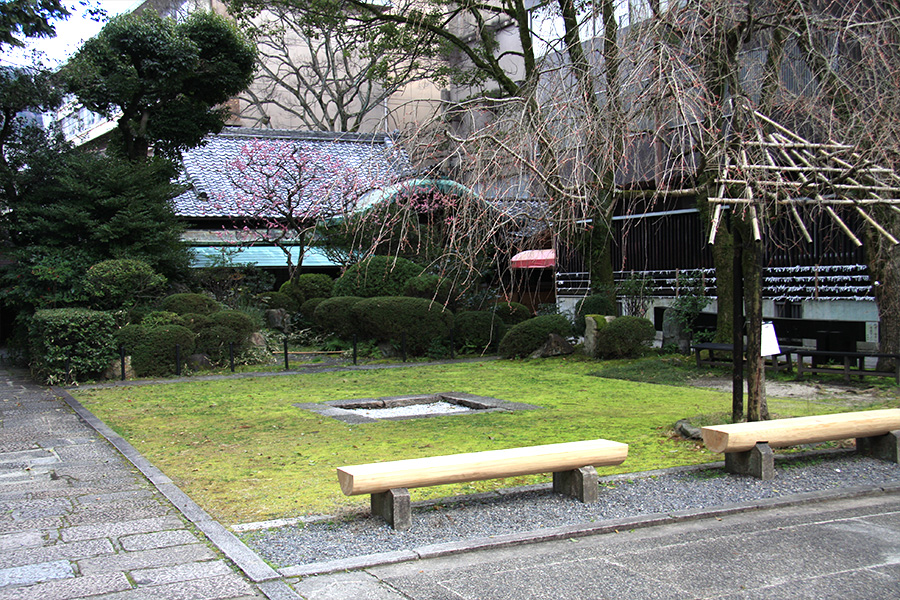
527,336
189,303
84,338
156,355
512,313
376,276
387,318
335,316
309,285
479,330
625,337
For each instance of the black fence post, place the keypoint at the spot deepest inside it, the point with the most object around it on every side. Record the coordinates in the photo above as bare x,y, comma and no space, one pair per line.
287,365
355,339
122,360
403,345
68,369
231,355
178,360
452,350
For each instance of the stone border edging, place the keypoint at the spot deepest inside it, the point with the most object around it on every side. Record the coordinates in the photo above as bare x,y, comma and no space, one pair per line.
268,580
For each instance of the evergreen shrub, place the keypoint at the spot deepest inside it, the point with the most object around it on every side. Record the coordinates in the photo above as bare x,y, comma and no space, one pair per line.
308,285
121,282
625,337
275,300
387,318
376,276
155,357
480,330
526,337
431,287
83,338
512,313
335,316
189,303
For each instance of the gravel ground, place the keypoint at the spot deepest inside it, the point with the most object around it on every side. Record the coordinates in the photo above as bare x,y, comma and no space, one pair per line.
528,509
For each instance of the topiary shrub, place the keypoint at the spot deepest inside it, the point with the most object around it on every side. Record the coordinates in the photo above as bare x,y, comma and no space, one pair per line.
479,330
387,318
308,311
214,341
432,287
160,317
625,337
595,304
81,339
130,337
376,276
335,316
121,283
527,336
193,321
309,285
274,300
155,357
242,323
512,313
189,303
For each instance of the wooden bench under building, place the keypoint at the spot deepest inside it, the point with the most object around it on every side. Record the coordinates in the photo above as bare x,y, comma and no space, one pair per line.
748,446
572,465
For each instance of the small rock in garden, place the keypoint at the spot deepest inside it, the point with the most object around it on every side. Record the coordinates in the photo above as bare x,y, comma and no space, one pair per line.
278,318
556,345
257,340
199,362
684,428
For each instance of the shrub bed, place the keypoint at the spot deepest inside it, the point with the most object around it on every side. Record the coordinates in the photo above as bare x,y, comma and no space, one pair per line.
335,316
512,313
189,303
376,276
156,356
596,304
479,330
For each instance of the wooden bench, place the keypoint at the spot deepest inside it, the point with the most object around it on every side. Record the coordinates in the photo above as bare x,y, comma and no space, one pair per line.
748,446
572,465
712,348
848,360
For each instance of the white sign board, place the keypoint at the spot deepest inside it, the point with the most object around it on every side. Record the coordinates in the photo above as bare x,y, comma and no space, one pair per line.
769,345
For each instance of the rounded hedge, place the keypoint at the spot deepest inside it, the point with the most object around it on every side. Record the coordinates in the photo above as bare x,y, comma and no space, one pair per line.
527,336
160,317
309,285
625,337
194,322
275,300
432,287
156,355
214,342
241,323
335,316
71,343
387,318
376,276
478,329
595,304
120,282
308,310
189,303
512,313
130,337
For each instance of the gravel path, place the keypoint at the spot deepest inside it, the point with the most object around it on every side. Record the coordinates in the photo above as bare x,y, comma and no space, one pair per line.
528,509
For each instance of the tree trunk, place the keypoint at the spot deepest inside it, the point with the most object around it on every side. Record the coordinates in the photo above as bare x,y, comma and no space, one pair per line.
757,408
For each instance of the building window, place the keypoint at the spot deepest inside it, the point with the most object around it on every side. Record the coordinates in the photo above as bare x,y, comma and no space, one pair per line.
787,309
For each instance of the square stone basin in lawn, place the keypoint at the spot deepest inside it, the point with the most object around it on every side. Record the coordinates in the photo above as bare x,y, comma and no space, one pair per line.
371,410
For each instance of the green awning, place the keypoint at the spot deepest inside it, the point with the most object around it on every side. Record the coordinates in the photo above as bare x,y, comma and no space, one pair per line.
261,256
411,187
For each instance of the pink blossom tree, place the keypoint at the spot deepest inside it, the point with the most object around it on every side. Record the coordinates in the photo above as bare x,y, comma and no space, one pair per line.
284,190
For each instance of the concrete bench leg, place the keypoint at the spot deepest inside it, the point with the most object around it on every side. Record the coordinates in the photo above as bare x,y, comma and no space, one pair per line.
883,447
759,462
583,484
393,506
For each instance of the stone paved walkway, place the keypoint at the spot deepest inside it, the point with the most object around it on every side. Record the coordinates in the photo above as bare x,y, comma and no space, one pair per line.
77,520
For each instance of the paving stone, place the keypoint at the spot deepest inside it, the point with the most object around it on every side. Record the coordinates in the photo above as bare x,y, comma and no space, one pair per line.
120,528
197,570
23,539
65,589
161,539
31,574
117,512
213,588
71,551
11,525
145,559
127,496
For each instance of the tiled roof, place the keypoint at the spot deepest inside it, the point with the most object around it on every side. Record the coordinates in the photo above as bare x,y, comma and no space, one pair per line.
374,158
